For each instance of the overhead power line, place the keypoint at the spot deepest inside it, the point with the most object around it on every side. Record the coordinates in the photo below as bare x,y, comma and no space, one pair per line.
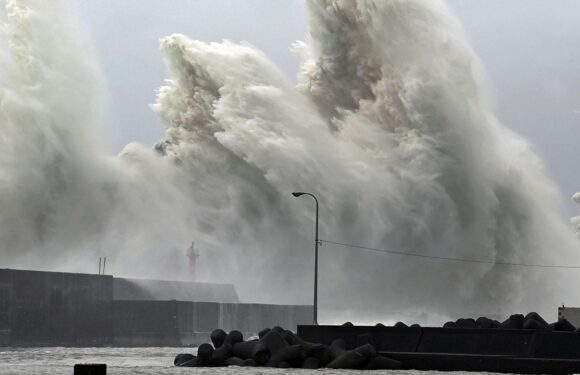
480,261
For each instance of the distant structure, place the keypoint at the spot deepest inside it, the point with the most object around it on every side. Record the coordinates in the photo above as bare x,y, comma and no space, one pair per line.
192,255
572,314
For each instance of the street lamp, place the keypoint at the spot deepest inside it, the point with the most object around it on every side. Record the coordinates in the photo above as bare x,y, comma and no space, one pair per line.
297,194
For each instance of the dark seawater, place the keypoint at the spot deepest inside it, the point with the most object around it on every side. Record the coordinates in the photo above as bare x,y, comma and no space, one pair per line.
136,361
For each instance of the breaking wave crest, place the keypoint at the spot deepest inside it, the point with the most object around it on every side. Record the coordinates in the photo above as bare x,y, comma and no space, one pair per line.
389,125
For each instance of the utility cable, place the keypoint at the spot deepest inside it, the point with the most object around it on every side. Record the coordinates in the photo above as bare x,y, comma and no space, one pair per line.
480,261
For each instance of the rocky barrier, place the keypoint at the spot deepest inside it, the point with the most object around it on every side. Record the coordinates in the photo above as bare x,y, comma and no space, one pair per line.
282,348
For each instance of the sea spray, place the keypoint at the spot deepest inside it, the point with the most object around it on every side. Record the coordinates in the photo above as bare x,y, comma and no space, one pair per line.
63,201
392,129
390,126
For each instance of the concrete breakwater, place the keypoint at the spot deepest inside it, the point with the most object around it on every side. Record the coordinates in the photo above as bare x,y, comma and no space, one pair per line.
520,344
281,348
67,309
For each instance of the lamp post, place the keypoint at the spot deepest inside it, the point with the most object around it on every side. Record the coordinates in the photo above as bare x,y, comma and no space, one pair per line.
315,308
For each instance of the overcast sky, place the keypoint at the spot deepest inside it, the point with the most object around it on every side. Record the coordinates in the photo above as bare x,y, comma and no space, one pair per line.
530,48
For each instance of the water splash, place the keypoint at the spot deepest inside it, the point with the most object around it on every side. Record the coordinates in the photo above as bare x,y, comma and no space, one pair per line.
390,126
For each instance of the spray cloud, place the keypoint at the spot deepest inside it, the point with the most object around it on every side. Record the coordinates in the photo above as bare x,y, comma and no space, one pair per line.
390,126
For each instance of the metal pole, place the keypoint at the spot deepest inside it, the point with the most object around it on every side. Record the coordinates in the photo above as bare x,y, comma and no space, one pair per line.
316,267
316,241
99,265
104,264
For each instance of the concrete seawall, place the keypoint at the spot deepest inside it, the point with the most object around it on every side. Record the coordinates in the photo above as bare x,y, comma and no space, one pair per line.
66,309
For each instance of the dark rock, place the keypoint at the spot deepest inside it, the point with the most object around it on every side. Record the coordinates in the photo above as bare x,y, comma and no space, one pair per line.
515,321
415,325
564,325
380,325
400,325
204,353
283,365
183,357
218,337
311,363
347,324
380,362
234,361
244,350
450,325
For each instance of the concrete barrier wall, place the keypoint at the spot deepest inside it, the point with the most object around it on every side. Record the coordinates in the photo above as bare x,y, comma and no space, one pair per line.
460,341
182,323
52,308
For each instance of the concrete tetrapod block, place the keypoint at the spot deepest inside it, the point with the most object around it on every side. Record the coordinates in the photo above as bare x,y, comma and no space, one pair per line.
336,348
269,345
220,355
234,337
90,369
537,318
245,350
218,337
515,321
534,324
204,354
292,354
263,332
564,325
466,323
318,351
190,363
183,357
354,359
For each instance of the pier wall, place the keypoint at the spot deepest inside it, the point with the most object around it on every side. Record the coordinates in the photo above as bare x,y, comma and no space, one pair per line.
66,309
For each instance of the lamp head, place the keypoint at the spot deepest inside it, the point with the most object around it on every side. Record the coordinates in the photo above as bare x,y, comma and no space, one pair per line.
297,193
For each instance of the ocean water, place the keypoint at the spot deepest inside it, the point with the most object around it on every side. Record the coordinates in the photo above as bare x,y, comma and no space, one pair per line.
121,361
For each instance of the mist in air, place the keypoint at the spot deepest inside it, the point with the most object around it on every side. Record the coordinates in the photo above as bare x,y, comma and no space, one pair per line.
390,126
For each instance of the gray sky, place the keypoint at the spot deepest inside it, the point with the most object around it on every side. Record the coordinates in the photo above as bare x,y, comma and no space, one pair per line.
530,48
